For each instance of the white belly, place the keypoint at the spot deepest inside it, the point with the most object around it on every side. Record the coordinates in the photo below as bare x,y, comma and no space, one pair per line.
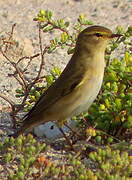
89,95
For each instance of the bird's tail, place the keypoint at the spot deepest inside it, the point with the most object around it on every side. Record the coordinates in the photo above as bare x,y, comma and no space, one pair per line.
28,124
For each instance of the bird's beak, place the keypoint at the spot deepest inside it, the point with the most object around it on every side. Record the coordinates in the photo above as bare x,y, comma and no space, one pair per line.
115,35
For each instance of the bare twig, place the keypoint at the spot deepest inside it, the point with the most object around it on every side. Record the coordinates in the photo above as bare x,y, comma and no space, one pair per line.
29,86
10,37
7,100
28,57
23,82
19,74
41,53
12,104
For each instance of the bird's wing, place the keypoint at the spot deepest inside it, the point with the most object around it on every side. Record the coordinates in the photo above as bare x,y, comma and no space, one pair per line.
65,84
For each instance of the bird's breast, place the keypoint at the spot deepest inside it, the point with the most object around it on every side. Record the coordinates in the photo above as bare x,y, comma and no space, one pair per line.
87,93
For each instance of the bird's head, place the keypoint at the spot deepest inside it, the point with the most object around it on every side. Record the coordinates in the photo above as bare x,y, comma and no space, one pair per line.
95,38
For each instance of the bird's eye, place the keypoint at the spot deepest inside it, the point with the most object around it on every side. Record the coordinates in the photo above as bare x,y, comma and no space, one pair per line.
98,35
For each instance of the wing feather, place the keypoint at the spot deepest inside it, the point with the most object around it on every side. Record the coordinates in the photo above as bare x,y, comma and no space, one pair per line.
65,84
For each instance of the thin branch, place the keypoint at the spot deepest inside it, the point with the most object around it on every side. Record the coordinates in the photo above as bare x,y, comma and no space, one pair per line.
7,100
24,84
13,112
28,57
10,36
19,74
42,52
56,27
40,69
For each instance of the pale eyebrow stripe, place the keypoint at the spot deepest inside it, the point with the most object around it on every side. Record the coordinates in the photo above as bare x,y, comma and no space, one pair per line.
94,32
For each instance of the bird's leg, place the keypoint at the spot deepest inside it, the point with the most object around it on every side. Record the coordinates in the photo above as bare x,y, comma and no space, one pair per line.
59,125
73,131
67,139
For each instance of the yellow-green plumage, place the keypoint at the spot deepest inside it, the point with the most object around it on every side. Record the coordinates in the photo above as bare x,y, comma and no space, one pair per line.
78,85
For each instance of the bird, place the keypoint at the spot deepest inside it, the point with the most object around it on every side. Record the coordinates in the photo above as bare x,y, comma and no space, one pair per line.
78,85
